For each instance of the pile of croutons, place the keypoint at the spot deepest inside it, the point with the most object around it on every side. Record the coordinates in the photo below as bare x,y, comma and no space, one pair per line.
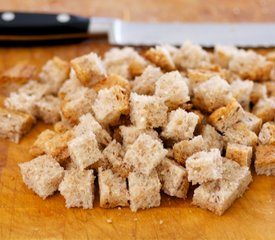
146,123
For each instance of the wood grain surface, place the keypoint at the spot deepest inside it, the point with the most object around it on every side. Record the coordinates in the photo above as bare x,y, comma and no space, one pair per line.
23,215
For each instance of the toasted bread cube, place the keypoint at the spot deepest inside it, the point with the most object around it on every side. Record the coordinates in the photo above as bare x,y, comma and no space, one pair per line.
259,91
145,83
265,109
77,188
110,104
252,122
57,145
112,189
191,56
13,124
181,125
131,133
144,190
239,153
270,87
68,88
218,196
147,111
89,69
78,103
38,147
224,117
223,54
241,134
144,154
265,160
87,123
267,133
212,94
204,166
184,149
84,150
250,65
211,138
47,109
161,57
42,174
173,178
61,126
172,88
54,73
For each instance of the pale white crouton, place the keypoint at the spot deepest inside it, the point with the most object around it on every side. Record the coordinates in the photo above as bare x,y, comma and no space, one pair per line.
252,122
69,87
223,54
211,138
267,133
42,174
259,91
265,109
265,160
239,153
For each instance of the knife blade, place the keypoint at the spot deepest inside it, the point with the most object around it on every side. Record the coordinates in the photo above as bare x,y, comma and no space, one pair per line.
20,26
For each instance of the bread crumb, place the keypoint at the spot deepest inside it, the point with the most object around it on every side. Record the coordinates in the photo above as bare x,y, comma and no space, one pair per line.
161,222
109,220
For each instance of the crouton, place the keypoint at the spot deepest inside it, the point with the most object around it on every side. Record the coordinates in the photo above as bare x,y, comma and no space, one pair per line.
112,189
62,126
89,69
181,125
144,190
173,178
211,138
259,91
267,133
161,57
14,124
144,154
68,88
223,54
204,166
270,87
84,150
184,149
239,153
265,160
212,94
110,104
172,88
42,174
145,83
217,196
54,73
147,111
265,109
77,188
252,122
191,56
224,117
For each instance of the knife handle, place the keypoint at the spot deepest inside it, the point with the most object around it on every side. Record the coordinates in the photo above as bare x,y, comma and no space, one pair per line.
19,23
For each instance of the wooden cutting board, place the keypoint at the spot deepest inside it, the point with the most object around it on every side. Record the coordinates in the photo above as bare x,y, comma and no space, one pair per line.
23,215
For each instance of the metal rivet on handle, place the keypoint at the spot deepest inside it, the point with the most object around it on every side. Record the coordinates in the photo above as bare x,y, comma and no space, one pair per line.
63,18
8,16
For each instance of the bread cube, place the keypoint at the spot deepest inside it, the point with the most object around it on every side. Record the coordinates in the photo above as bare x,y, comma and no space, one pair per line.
267,133
89,69
84,150
54,73
147,111
239,153
69,87
252,122
14,124
144,154
144,190
172,88
270,87
62,126
112,189
173,178
240,133
211,138
265,160
191,56
161,57
184,149
212,94
145,83
87,123
42,174
225,117
265,109
217,196
204,166
223,54
77,188
110,104
259,91
181,125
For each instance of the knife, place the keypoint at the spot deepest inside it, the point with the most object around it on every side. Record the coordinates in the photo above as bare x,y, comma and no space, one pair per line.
20,26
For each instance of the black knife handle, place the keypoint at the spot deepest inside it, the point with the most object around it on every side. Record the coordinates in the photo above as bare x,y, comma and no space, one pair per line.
19,23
